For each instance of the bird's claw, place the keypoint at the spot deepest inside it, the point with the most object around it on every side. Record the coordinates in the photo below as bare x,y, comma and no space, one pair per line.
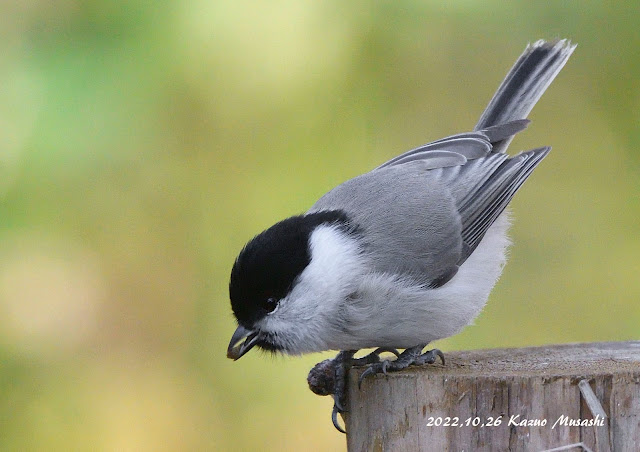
376,368
343,363
429,357
374,356
373,369
411,356
334,417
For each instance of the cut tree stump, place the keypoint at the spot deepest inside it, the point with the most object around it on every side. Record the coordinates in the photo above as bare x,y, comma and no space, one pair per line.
561,397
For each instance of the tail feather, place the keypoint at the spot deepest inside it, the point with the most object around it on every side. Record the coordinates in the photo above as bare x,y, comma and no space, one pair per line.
525,83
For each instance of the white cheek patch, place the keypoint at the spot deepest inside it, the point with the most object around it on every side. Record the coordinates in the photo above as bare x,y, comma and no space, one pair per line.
331,276
335,257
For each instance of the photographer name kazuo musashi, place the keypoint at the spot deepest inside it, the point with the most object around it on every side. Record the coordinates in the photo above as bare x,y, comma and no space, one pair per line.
563,420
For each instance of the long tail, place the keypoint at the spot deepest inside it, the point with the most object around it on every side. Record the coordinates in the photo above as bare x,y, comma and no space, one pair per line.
525,83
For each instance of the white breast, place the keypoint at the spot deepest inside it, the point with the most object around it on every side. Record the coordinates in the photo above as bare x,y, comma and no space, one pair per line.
388,312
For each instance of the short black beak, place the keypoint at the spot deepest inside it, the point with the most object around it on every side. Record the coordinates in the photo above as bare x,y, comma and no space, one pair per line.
237,348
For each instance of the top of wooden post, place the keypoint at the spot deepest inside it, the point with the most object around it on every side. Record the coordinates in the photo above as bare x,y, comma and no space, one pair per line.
576,359
556,397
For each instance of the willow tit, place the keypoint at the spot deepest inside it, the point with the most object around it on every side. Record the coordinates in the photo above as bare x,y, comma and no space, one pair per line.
400,256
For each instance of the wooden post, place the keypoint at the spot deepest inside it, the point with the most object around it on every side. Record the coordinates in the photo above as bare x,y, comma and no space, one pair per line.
562,397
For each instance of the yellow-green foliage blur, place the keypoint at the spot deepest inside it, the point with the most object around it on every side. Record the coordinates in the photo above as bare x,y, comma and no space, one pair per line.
143,143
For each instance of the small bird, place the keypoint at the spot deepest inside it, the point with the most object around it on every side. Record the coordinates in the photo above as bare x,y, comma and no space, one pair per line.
402,255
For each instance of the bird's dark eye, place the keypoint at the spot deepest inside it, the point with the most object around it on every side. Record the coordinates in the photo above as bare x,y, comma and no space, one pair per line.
270,304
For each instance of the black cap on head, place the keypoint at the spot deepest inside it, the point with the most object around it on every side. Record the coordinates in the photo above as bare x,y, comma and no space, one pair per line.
268,265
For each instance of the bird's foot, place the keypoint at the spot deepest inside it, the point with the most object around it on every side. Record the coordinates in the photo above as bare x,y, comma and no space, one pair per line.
343,363
374,356
330,377
411,356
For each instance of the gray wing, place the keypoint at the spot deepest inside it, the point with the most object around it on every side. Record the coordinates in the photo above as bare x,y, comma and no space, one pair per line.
424,212
408,218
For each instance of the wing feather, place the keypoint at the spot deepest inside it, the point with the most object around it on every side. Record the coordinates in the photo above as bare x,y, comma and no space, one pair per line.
425,211
450,150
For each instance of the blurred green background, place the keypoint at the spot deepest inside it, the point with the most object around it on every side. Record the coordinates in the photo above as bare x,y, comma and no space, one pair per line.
143,143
